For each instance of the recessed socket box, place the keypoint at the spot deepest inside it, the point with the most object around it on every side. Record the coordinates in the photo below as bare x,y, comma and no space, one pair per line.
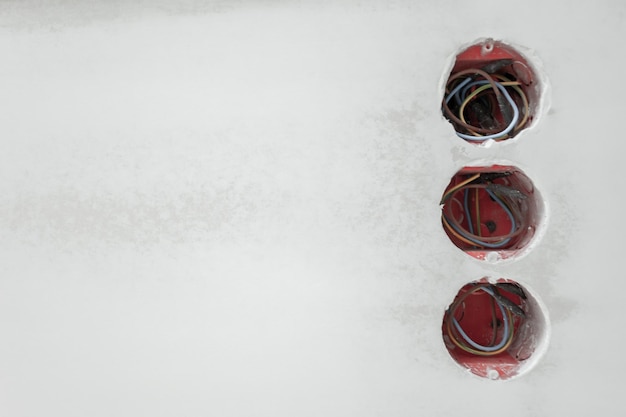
495,329
491,212
492,93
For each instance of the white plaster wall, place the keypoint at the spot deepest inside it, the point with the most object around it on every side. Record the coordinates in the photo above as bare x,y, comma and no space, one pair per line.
231,209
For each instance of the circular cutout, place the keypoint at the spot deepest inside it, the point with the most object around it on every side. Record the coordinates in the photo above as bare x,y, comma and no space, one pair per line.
491,94
496,330
492,213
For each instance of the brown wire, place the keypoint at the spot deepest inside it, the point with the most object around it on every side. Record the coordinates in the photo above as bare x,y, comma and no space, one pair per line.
453,117
489,239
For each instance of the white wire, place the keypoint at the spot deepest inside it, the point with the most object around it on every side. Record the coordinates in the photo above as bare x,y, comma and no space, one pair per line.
475,345
510,100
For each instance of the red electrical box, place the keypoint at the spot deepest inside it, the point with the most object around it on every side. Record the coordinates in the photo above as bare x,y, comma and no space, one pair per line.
481,113
494,209
482,322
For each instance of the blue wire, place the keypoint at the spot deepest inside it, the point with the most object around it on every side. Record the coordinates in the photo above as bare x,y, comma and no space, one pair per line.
475,345
466,85
505,208
505,131
467,88
457,88
467,212
480,242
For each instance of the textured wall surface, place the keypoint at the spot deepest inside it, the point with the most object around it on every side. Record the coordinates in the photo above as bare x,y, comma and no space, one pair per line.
231,208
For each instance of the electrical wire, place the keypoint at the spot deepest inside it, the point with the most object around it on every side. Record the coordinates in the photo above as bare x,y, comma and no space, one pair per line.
467,229
477,200
508,311
525,105
506,330
487,103
460,185
499,135
489,242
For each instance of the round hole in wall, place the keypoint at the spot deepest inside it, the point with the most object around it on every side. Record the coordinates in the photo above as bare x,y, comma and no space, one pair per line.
492,212
496,329
492,93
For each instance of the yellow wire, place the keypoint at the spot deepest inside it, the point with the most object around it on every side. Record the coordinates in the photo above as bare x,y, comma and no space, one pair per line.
454,232
456,187
469,349
478,91
474,94
506,83
524,100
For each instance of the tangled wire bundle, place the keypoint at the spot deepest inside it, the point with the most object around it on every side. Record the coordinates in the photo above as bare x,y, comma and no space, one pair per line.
486,103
